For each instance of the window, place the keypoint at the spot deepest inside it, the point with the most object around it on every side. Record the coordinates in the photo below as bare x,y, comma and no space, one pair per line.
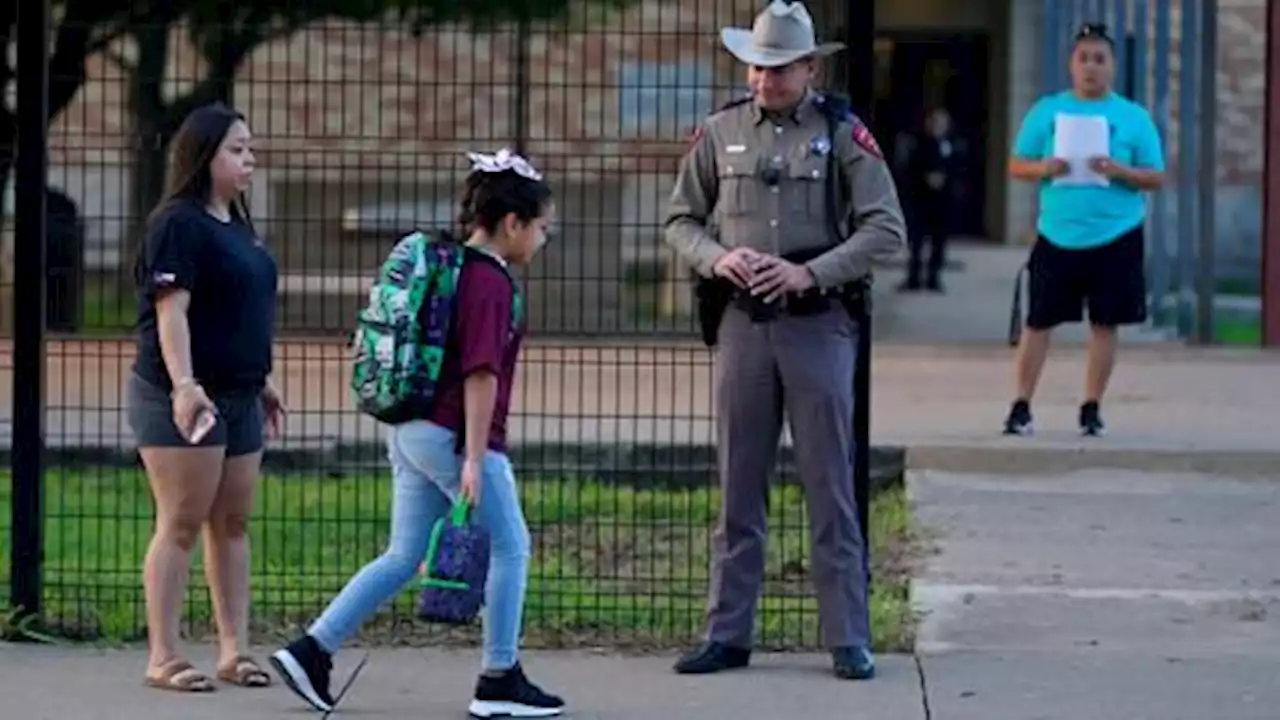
664,99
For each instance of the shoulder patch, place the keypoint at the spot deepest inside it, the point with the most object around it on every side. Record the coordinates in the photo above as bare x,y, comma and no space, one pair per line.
866,140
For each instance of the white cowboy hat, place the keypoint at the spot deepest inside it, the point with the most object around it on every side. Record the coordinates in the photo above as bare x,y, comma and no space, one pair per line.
781,34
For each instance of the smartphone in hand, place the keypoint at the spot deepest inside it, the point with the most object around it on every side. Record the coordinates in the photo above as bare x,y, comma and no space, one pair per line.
204,423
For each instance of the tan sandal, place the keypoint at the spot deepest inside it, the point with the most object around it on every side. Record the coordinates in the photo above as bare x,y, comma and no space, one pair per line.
180,676
244,671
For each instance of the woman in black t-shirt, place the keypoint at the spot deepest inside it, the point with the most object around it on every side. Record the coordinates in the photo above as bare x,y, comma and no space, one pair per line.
200,399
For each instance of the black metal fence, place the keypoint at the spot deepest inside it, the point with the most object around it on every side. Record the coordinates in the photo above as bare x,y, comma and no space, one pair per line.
361,130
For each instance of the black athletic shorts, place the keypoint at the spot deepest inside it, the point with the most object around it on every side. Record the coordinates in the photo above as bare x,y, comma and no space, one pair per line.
1110,279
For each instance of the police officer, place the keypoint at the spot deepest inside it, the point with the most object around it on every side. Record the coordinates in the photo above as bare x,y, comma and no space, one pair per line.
752,210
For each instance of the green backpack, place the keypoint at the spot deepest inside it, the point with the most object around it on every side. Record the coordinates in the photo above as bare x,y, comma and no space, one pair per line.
400,335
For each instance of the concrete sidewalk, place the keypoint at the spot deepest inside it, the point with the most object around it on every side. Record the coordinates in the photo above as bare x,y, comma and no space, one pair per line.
1100,595
43,683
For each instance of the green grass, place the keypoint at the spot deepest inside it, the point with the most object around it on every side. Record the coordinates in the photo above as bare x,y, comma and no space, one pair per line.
1234,331
108,303
612,566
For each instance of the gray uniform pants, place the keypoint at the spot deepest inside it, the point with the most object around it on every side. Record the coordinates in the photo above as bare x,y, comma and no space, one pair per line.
803,365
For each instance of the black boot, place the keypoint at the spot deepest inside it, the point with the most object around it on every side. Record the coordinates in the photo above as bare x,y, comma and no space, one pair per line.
853,663
712,657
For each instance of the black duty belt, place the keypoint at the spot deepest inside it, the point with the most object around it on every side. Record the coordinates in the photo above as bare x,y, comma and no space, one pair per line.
714,295
810,302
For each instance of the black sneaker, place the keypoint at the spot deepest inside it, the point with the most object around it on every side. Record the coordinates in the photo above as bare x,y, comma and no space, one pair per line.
1019,420
1091,424
305,667
512,695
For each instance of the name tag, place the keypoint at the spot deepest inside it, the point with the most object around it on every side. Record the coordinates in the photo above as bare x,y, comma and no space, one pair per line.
735,149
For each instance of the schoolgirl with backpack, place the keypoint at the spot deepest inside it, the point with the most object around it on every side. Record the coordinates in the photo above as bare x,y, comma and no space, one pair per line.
435,356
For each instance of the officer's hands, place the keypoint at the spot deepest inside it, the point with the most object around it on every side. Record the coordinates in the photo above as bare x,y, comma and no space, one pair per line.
737,266
775,277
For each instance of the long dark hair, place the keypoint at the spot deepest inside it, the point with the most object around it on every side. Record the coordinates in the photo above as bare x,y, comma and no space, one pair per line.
190,155
188,178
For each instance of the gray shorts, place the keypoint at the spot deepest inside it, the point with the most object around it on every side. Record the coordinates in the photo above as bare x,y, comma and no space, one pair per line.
241,420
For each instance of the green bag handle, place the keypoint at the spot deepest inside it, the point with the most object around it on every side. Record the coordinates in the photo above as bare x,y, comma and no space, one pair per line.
458,517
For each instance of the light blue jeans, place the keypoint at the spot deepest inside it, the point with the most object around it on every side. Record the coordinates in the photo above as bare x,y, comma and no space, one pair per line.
426,477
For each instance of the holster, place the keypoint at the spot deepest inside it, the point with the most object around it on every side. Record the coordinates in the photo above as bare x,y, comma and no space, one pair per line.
712,297
857,299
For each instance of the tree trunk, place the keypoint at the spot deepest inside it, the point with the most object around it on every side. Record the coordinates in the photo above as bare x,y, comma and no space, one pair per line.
151,141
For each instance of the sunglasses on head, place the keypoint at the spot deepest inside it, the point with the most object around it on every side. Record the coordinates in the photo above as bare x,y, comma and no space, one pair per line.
1093,31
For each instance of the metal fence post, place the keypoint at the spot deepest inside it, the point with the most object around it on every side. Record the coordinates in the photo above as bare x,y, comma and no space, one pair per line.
30,181
1271,185
862,430
1188,177
861,30
1161,257
520,103
1119,19
1207,169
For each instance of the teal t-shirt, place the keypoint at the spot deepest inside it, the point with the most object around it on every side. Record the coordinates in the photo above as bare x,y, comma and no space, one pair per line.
1080,217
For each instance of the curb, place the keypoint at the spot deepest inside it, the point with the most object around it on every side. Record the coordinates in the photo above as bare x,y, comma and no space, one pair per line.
1006,460
635,465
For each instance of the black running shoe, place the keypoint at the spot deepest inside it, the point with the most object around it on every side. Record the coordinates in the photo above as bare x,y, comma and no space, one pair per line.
512,695
1019,420
305,668
1091,424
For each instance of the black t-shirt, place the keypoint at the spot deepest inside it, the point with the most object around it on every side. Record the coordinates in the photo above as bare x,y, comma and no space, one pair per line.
232,279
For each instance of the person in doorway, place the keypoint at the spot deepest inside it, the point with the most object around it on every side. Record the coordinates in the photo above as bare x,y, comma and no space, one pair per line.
506,209
930,174
1090,245
758,170
200,399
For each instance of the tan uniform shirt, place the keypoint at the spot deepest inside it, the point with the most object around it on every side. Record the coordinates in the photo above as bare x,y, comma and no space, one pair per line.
759,182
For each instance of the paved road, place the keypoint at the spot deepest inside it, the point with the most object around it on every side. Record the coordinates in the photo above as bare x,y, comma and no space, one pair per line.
39,683
1167,404
1101,595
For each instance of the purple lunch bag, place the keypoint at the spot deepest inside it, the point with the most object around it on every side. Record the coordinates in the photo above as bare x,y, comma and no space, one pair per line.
455,569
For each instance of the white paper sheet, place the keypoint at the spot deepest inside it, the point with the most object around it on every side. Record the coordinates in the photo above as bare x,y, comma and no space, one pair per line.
1076,139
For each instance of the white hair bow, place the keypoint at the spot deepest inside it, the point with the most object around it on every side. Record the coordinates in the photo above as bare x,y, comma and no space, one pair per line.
503,160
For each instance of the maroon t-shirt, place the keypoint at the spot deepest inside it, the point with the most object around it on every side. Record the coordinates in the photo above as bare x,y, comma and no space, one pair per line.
481,339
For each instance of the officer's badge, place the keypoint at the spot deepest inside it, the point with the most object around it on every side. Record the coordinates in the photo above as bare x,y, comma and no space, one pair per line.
820,145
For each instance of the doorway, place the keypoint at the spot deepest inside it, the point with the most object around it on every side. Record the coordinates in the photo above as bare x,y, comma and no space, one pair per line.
918,72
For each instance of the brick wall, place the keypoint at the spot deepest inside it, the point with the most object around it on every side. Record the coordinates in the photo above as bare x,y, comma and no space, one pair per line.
1241,78
1241,118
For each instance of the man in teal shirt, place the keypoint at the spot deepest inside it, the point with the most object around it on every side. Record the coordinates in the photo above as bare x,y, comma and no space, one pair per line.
1090,245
